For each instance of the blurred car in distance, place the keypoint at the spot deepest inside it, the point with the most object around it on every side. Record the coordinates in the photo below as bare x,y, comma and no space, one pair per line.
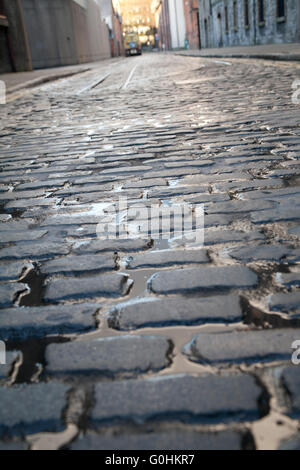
132,44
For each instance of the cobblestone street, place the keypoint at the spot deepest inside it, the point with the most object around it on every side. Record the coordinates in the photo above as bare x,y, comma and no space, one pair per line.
140,343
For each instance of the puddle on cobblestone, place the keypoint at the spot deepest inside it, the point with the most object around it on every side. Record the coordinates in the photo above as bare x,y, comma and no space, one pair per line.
140,278
35,281
179,335
33,356
52,441
271,430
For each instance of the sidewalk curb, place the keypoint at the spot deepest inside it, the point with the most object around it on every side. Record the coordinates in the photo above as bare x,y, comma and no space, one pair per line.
41,80
273,57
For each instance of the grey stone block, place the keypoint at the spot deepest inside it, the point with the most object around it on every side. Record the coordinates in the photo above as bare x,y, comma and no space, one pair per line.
105,285
76,265
12,271
213,237
34,251
201,279
12,237
35,322
29,409
288,279
290,444
242,346
163,258
121,245
9,291
109,356
180,397
284,302
13,445
291,380
261,252
149,312
6,369
172,439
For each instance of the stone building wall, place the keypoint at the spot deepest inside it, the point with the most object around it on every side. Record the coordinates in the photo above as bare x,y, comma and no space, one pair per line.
248,22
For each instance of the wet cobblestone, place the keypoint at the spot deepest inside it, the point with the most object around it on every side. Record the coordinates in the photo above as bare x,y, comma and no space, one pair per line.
194,341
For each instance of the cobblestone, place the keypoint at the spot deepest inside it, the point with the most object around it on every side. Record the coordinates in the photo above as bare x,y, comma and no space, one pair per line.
175,311
6,369
185,398
113,285
167,258
43,411
77,265
285,302
37,322
237,347
224,136
291,381
13,271
110,356
162,440
123,246
9,292
201,279
260,252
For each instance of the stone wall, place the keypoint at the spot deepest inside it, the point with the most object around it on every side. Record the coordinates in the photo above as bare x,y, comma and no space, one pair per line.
65,32
241,22
50,32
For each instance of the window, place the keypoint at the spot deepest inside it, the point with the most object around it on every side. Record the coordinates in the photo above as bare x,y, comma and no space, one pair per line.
246,13
280,8
235,16
261,12
226,20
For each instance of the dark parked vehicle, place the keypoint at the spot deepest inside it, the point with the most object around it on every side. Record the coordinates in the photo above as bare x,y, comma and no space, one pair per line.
132,44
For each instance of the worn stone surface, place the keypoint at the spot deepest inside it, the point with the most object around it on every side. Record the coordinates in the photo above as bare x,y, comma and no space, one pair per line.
242,346
175,311
261,252
34,251
182,397
285,302
126,245
106,285
166,258
200,279
13,445
290,444
109,356
217,136
34,322
228,236
6,369
173,439
12,271
9,292
288,279
291,381
76,265
37,408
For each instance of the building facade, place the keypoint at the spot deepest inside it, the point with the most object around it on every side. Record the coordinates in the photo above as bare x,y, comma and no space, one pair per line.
111,14
248,22
170,19
50,33
14,47
192,23
138,17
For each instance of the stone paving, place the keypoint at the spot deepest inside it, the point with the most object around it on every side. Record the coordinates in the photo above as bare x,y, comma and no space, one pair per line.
140,342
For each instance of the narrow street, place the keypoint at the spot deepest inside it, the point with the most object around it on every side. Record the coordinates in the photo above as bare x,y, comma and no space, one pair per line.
140,342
